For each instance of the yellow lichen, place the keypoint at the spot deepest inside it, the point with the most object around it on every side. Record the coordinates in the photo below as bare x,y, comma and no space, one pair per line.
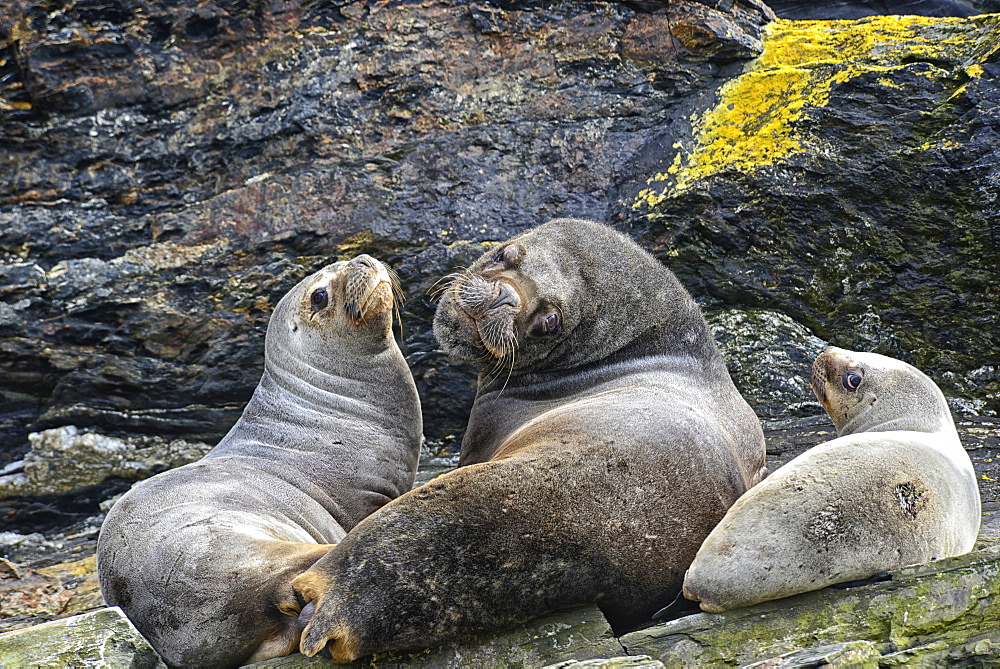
754,123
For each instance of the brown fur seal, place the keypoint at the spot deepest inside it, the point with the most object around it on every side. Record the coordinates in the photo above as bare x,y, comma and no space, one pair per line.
201,557
895,488
606,440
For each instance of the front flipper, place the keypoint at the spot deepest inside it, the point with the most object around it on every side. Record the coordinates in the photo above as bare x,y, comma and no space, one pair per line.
321,629
290,560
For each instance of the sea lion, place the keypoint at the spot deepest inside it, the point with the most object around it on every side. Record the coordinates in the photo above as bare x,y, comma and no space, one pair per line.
201,557
605,442
894,488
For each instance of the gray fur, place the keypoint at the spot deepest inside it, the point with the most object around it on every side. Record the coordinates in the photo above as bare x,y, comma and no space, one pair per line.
895,488
594,464
201,557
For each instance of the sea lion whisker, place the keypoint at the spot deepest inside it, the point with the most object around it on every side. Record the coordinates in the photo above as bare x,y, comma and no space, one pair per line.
512,355
448,282
398,295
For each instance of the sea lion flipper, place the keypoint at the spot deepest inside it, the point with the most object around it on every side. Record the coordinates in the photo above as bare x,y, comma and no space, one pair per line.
310,585
298,558
322,626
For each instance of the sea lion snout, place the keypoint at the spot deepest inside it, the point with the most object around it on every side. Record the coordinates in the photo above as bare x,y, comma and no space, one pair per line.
478,296
491,308
507,296
826,366
368,289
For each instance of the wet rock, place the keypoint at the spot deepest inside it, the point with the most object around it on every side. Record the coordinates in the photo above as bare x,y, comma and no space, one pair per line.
949,607
103,638
811,189
31,596
625,662
26,592
65,459
171,171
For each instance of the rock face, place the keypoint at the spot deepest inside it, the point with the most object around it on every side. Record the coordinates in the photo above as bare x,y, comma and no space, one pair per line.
194,161
159,195
850,178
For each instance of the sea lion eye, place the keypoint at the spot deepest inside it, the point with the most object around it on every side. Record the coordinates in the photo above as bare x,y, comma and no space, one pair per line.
319,299
851,380
548,325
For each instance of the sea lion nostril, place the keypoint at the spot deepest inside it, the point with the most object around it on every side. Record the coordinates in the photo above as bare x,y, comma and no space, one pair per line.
507,296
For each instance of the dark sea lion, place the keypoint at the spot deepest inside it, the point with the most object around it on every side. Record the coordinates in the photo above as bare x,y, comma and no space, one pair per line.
606,440
894,488
201,557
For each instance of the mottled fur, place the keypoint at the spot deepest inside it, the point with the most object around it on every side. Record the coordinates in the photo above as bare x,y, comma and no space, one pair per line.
599,453
201,557
895,488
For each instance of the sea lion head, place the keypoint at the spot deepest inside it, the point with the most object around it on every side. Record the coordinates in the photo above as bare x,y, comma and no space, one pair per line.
346,306
520,305
868,392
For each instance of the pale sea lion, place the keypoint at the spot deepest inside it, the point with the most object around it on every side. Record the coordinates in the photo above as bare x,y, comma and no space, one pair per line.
895,488
201,557
606,440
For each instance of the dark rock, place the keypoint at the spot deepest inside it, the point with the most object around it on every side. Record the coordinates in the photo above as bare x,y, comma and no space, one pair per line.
168,172
851,182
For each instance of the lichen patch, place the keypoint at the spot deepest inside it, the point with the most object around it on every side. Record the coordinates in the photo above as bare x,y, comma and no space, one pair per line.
757,121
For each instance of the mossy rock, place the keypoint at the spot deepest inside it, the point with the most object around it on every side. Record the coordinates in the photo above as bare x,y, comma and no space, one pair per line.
946,607
850,179
103,638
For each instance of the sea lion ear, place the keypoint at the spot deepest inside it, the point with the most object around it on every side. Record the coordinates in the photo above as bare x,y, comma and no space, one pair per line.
507,256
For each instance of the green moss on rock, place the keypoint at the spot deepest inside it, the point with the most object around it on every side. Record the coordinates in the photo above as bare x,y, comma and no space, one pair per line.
939,607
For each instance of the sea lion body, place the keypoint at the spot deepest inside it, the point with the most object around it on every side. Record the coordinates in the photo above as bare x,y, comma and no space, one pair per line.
201,557
895,488
606,441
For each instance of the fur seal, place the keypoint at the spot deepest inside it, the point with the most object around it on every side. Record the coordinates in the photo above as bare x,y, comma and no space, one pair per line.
201,557
606,440
894,488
